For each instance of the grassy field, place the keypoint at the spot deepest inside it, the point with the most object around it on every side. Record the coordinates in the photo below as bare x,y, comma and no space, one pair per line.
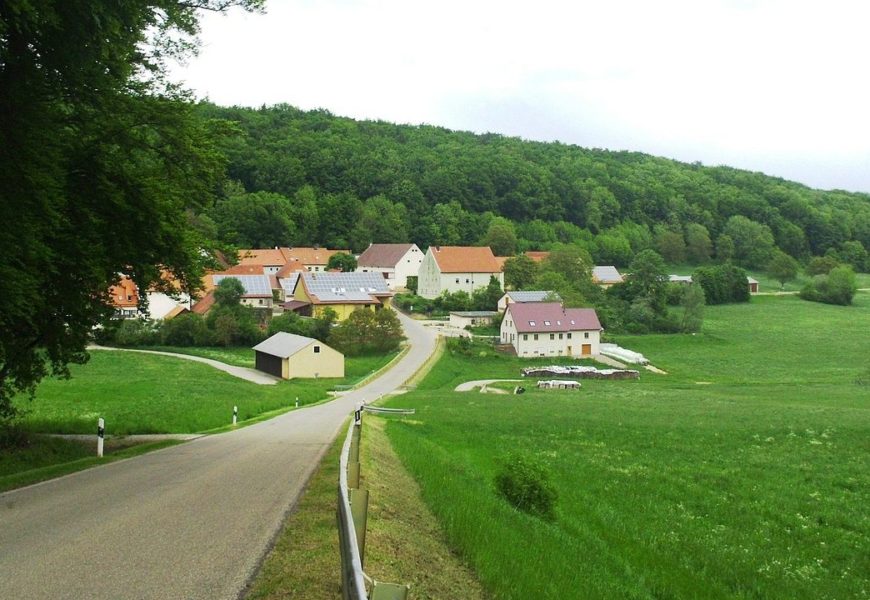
767,284
744,473
142,393
238,356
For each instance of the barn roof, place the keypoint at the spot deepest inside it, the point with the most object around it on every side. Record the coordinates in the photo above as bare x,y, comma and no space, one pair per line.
551,317
283,345
383,255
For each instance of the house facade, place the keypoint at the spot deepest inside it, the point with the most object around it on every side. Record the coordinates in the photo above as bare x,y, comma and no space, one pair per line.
548,329
457,268
342,292
289,356
396,262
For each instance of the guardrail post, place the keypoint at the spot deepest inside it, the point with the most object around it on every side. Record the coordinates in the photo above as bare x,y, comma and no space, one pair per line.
359,510
354,444
101,431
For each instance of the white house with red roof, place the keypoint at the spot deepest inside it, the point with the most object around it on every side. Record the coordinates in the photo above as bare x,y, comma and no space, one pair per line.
548,329
394,261
457,268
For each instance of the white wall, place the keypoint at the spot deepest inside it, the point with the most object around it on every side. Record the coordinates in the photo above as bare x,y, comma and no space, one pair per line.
160,305
429,278
409,265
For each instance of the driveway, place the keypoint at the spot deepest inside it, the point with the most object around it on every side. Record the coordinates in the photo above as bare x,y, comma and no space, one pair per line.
191,521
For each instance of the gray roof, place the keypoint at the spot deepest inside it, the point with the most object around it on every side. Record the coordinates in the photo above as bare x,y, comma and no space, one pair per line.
283,344
288,284
255,285
606,274
474,313
680,278
344,287
531,296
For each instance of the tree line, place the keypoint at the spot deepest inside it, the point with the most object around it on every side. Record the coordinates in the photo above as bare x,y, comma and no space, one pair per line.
309,177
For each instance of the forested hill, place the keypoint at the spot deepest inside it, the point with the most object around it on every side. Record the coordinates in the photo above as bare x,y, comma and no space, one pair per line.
346,182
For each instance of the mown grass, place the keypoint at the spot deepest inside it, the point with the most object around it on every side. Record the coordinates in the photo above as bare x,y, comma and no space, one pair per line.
239,356
47,458
741,474
144,393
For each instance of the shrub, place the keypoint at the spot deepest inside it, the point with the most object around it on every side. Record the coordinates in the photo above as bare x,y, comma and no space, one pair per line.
837,287
722,283
186,330
525,483
135,332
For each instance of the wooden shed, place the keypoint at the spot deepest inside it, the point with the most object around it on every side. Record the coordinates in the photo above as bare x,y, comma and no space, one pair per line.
287,355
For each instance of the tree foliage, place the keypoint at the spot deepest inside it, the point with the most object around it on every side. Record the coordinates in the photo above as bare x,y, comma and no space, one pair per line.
342,261
782,267
837,287
100,164
722,284
368,331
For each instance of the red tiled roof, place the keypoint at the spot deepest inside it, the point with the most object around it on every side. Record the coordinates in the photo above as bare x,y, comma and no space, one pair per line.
465,259
243,269
290,267
262,256
125,294
537,255
309,256
549,317
383,255
501,260
204,304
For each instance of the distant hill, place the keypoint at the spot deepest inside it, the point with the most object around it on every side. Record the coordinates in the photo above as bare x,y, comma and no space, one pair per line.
353,181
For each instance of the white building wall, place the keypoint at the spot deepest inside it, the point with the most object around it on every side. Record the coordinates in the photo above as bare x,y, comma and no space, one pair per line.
468,282
409,265
429,278
160,304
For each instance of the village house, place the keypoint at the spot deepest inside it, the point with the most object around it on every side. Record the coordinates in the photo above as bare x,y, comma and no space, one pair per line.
274,259
287,356
457,268
258,289
528,296
606,276
125,298
396,262
472,318
549,329
342,292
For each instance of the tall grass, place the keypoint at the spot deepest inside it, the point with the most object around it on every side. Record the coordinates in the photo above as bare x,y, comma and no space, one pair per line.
753,484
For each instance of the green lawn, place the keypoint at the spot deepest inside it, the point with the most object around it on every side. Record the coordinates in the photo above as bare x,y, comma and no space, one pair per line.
143,393
744,473
238,356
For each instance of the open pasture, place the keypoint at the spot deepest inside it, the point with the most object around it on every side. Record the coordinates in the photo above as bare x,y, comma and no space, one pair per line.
744,473
144,393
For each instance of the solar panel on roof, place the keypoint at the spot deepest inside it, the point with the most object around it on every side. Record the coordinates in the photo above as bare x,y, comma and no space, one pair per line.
255,285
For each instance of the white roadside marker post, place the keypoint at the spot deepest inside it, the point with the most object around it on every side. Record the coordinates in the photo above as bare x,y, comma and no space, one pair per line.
297,401
101,431
235,414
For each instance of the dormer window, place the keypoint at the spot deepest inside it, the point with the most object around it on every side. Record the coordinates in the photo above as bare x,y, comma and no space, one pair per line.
532,323
546,323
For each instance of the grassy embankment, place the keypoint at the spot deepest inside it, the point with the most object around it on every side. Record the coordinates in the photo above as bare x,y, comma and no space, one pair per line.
140,393
743,473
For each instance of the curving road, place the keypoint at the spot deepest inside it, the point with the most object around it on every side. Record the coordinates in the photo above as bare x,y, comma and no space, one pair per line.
192,521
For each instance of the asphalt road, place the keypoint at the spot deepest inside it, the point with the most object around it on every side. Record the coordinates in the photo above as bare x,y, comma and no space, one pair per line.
190,521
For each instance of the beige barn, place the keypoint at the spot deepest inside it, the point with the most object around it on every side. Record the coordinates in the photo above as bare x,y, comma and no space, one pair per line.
287,356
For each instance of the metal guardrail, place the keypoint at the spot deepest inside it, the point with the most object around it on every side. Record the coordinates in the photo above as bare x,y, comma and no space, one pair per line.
352,514
380,410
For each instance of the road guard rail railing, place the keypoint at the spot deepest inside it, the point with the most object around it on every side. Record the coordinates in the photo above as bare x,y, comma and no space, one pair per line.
352,514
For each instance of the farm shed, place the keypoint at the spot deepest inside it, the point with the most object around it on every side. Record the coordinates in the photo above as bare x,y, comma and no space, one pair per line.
286,355
472,318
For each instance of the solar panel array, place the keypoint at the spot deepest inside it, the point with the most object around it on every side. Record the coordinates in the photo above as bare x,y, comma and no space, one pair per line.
255,285
354,287
289,283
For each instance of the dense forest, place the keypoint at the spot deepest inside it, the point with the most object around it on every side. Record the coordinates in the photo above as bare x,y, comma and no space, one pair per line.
309,177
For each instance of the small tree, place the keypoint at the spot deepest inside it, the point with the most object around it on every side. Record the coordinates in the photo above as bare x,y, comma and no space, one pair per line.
837,287
412,284
368,332
693,308
229,292
821,265
487,298
782,267
520,272
342,261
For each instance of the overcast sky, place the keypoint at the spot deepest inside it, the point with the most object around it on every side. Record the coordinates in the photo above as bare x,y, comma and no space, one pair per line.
776,86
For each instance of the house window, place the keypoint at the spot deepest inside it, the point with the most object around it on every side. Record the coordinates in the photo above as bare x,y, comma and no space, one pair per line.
536,337
569,336
586,334
532,323
546,323
525,337
260,301
457,280
552,336
560,336
466,280
316,349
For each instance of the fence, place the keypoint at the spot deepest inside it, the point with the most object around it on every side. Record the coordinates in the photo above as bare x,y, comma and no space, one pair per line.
352,514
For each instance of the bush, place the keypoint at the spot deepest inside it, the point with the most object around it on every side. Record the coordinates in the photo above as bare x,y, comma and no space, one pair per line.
837,287
186,330
525,484
135,332
368,332
722,284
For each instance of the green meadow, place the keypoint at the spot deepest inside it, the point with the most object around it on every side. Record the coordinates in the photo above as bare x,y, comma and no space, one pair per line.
146,393
742,473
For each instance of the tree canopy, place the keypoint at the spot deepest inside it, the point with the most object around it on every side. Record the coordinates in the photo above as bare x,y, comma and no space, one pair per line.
101,164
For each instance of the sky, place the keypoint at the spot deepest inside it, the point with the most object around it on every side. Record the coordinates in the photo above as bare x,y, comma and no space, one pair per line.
776,86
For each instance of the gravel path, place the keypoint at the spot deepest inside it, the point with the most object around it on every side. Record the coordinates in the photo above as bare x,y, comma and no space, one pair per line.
191,521
469,386
245,373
